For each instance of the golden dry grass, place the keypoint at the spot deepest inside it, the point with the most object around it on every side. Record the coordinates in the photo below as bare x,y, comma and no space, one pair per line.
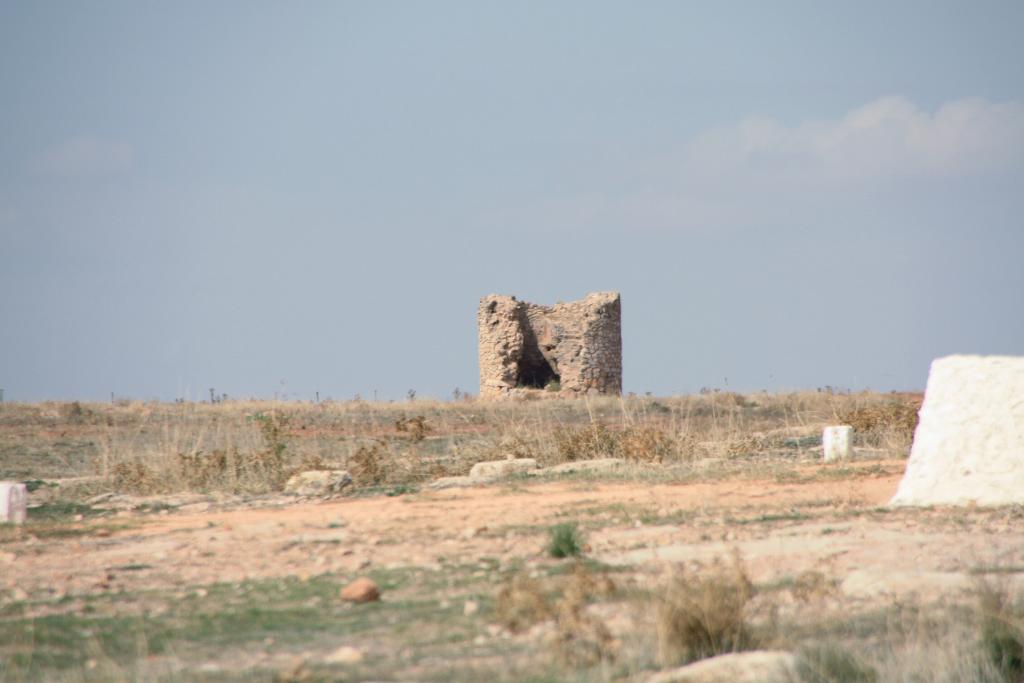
253,446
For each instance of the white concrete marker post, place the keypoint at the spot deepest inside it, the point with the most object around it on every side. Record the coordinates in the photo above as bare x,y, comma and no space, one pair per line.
835,442
13,502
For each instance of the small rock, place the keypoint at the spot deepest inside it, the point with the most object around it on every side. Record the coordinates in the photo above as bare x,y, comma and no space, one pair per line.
470,608
361,590
318,482
345,654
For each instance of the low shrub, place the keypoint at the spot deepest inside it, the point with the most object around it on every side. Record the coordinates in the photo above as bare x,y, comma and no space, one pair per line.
521,603
829,662
564,540
1001,629
703,615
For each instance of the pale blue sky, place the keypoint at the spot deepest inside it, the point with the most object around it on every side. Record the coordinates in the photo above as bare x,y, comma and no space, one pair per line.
300,197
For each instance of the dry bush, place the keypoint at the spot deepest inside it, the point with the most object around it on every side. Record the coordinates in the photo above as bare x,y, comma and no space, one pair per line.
580,638
640,443
813,586
706,614
159,447
888,425
898,417
583,583
830,662
584,443
74,412
368,466
1001,629
416,427
203,471
521,603
643,443
188,451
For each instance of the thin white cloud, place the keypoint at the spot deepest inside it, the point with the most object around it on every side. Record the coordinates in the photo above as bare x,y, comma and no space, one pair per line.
885,139
85,157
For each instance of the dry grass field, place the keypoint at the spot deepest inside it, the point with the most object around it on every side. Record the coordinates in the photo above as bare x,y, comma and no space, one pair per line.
161,547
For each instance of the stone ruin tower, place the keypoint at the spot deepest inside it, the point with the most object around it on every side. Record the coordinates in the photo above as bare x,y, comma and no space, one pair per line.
576,346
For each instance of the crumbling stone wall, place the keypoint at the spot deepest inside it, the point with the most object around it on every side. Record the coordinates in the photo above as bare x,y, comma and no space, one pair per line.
575,346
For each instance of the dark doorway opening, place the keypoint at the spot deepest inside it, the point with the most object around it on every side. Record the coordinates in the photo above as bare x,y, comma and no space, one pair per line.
535,371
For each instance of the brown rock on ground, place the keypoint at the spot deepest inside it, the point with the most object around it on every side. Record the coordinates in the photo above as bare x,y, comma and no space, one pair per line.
361,590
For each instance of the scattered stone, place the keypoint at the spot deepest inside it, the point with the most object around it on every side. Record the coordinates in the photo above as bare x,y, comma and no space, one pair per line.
969,444
762,666
361,590
835,443
470,608
318,482
596,465
497,469
13,502
572,348
346,654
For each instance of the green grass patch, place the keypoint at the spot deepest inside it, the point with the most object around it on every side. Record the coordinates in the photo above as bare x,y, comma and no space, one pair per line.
565,540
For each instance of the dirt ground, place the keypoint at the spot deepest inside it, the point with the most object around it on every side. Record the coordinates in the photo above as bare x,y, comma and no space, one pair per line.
839,527
818,524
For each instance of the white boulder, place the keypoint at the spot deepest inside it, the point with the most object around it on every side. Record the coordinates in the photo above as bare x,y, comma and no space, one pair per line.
13,502
969,444
835,442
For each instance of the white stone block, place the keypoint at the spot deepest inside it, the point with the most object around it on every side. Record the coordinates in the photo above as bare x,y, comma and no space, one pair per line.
13,502
835,442
969,443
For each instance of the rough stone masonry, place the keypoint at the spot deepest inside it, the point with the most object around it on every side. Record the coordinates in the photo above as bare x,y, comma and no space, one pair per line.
574,348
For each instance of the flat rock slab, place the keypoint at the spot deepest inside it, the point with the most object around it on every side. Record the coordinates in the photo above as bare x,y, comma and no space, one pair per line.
318,482
969,443
760,666
497,469
595,466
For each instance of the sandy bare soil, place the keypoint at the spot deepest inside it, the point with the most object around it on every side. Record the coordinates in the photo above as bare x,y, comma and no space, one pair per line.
838,527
